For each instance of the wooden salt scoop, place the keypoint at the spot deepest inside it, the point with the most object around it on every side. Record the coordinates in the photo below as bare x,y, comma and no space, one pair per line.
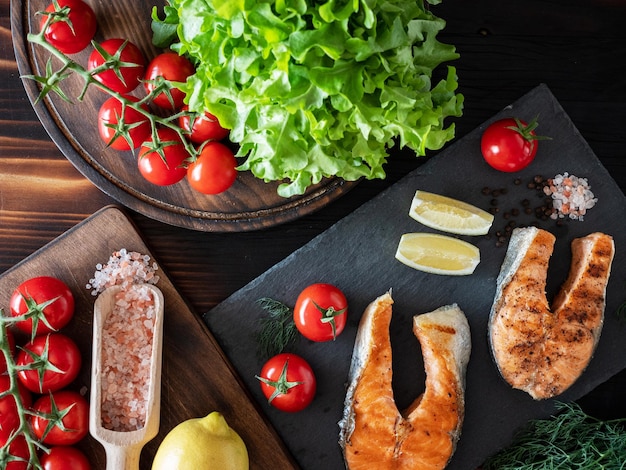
123,448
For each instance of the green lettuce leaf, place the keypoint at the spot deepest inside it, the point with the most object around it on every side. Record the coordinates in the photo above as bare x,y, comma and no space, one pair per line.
313,89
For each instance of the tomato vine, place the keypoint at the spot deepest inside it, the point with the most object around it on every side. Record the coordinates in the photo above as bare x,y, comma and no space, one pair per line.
22,411
56,74
46,363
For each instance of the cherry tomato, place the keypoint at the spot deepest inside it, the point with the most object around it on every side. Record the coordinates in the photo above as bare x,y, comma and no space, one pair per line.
9,417
46,301
510,144
173,68
111,128
288,382
3,360
120,51
19,454
61,418
205,127
52,351
162,172
70,32
214,171
64,458
320,312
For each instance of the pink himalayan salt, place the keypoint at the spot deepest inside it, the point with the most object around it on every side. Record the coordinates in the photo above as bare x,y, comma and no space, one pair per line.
123,268
571,196
127,340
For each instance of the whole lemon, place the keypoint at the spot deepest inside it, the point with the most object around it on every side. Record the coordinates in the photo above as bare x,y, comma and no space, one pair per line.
202,443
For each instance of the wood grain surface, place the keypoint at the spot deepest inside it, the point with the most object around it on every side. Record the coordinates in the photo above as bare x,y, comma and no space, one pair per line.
196,378
249,204
576,47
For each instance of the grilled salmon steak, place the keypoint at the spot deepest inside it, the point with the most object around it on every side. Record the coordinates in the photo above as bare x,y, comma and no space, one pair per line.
374,434
540,350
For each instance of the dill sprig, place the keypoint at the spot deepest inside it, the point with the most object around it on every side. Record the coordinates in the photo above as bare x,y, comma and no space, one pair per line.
278,331
570,440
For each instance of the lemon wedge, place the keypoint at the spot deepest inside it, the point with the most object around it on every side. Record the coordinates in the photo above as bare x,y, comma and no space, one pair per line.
449,215
437,254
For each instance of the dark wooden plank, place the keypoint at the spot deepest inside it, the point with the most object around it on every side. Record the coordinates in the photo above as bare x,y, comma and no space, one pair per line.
574,46
196,376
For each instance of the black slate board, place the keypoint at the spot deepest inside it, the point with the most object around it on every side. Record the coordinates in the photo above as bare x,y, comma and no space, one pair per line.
357,254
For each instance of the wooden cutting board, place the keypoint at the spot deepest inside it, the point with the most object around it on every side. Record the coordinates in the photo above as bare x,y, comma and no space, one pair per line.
250,204
196,378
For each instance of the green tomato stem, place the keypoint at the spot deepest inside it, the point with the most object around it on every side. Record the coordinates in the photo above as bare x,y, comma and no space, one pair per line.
24,429
67,64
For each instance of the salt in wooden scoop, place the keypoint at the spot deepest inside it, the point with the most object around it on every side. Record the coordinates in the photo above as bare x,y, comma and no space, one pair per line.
125,403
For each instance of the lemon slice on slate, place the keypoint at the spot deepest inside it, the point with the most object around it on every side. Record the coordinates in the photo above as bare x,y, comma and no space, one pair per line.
438,254
449,215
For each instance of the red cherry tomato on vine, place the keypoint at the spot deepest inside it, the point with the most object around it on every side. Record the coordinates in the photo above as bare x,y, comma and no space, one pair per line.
288,382
9,417
116,127
203,127
158,170
173,68
19,450
64,458
510,144
66,424
321,312
54,351
70,32
120,50
214,171
46,301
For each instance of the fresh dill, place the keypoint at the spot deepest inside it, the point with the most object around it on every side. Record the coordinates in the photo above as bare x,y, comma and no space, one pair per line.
277,330
571,439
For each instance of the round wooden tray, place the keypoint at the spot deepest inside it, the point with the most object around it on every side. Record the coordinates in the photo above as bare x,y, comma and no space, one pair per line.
249,204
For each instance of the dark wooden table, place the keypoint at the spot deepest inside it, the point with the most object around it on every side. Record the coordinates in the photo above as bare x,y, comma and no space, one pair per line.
576,47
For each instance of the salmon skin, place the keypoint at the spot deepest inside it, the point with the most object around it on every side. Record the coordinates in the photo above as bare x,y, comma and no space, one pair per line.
540,350
374,435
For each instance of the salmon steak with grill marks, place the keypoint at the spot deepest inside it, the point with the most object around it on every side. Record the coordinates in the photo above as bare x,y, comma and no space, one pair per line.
538,349
374,434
